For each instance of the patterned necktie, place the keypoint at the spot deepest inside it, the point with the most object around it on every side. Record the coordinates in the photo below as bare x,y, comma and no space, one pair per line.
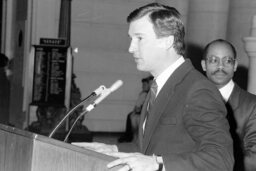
153,91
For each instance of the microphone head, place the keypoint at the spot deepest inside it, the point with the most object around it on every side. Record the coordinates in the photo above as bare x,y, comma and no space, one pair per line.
99,90
116,85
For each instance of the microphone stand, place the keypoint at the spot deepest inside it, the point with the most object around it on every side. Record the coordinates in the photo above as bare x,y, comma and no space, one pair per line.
90,107
104,93
69,113
74,123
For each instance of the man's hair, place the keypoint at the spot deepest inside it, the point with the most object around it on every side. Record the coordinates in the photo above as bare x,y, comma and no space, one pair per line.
205,52
147,79
166,22
143,80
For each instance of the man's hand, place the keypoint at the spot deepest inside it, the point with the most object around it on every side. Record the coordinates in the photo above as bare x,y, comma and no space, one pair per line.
133,161
98,147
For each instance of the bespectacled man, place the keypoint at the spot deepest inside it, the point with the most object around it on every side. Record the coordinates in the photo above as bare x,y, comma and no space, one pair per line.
220,63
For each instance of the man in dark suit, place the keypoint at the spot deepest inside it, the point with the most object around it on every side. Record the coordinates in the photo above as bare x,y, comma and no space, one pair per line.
186,127
183,125
219,62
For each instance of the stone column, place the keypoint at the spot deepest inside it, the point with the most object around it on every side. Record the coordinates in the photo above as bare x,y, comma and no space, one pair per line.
207,20
250,48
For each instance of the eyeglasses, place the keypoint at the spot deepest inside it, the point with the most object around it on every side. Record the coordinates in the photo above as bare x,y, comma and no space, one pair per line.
226,61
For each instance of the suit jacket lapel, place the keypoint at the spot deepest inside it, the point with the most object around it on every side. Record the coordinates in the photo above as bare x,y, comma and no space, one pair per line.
163,98
142,118
234,97
156,112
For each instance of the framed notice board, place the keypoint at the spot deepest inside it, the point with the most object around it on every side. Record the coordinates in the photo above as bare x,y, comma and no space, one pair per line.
49,80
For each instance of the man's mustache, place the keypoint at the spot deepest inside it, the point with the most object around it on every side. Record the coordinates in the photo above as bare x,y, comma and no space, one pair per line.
219,71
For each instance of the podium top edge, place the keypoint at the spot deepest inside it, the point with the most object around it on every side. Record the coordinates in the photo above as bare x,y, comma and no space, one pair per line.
17,131
42,138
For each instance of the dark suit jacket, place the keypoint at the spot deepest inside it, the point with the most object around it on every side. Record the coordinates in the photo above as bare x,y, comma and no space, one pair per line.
187,124
242,118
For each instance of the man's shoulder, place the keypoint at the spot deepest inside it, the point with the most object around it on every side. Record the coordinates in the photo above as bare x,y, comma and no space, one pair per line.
243,92
243,95
196,77
191,73
189,78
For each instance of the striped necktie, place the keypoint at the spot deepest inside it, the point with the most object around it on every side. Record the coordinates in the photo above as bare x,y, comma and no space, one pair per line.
153,92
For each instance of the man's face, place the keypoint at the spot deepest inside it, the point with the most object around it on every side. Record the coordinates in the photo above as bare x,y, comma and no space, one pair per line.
219,64
148,50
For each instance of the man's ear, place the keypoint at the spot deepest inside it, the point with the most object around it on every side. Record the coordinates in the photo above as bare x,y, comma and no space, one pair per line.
169,41
166,42
203,64
235,66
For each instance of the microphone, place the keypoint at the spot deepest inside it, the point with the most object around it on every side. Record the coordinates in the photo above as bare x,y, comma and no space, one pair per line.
104,94
96,92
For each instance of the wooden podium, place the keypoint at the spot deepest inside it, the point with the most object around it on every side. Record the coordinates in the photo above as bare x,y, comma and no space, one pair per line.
25,151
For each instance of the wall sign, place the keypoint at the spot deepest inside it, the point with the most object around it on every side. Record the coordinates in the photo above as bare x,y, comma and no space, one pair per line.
49,83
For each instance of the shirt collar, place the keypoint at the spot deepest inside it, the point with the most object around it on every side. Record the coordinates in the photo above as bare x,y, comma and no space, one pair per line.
163,77
227,90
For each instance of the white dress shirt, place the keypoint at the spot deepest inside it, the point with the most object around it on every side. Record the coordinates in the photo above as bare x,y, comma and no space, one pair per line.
227,90
163,77
160,81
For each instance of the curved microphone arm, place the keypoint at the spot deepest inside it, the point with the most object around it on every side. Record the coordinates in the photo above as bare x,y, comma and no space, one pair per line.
90,107
67,115
74,123
95,93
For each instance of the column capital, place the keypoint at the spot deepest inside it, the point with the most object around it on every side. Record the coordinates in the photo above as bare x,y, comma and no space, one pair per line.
250,46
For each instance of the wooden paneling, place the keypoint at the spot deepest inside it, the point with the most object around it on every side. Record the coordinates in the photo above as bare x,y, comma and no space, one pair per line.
24,151
2,149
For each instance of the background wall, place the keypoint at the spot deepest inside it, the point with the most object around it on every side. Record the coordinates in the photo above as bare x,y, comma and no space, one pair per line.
99,31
